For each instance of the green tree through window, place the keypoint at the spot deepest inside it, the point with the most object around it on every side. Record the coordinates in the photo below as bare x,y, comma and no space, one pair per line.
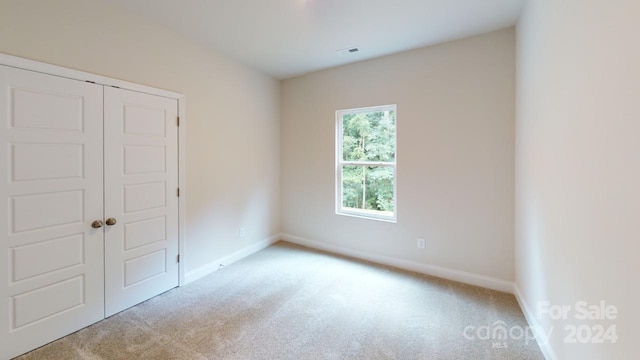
366,162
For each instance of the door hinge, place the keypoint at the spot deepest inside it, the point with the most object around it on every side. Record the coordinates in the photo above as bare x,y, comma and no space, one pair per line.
178,192
178,121
178,258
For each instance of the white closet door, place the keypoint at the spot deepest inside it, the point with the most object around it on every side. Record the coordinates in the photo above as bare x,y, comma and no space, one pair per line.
51,259
141,181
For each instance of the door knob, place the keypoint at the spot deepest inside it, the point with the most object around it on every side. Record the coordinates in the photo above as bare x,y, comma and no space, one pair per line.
96,224
111,221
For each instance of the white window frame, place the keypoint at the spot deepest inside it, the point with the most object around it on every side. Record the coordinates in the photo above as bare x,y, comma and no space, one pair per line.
340,163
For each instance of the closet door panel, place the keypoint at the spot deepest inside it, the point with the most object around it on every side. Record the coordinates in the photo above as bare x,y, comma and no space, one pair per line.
51,151
141,180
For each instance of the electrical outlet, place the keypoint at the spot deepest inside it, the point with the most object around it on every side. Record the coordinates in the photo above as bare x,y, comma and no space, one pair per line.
421,244
242,232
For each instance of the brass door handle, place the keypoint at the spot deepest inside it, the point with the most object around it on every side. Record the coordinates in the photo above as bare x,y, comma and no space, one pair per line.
97,224
111,221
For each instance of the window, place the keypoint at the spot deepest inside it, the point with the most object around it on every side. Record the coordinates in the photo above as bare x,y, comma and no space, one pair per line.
366,162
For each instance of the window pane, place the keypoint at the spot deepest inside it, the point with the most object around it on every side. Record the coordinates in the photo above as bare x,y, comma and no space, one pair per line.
368,189
369,136
352,187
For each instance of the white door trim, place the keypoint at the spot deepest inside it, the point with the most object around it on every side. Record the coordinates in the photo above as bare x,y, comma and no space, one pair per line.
31,65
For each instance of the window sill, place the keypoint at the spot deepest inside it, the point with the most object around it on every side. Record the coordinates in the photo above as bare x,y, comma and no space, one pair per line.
367,216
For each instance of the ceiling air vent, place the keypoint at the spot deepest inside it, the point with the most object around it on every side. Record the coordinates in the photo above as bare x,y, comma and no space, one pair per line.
348,51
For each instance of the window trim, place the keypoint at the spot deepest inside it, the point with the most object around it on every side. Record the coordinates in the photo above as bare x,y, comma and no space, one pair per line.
340,163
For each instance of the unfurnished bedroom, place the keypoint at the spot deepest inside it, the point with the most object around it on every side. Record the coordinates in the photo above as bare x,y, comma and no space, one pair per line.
319,179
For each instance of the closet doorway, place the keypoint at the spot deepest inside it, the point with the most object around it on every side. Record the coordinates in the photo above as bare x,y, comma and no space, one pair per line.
91,187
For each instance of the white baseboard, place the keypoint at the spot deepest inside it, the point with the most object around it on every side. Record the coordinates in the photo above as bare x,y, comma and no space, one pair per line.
229,259
536,328
433,270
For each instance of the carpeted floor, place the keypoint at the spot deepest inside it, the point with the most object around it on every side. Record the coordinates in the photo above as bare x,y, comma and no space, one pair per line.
289,302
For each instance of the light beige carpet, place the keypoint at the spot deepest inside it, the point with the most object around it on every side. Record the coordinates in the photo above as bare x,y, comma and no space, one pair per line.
289,302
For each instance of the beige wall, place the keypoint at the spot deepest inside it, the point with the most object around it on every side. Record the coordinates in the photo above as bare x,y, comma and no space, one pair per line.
578,165
233,113
455,153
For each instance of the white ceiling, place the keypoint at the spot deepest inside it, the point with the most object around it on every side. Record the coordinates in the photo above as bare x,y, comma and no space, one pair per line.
285,38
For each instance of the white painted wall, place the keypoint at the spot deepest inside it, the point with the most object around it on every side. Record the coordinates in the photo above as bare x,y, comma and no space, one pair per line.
455,154
233,112
578,165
